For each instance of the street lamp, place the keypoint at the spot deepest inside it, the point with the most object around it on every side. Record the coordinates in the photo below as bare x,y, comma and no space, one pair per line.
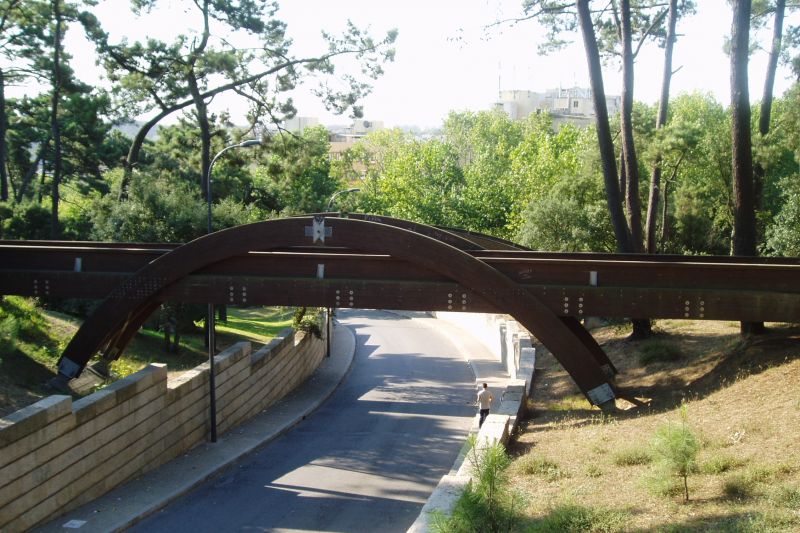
330,309
337,193
212,341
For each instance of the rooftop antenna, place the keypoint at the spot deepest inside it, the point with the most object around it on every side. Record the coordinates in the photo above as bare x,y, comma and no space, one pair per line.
499,78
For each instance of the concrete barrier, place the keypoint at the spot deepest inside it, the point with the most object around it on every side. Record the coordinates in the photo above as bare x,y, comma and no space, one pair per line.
511,345
56,454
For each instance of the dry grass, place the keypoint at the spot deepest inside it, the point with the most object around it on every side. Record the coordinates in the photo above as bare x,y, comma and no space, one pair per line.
743,400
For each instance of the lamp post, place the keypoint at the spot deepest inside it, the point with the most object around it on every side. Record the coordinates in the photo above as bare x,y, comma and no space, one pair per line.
210,318
338,193
330,309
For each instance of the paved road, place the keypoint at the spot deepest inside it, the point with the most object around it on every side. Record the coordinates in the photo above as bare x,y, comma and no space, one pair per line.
366,460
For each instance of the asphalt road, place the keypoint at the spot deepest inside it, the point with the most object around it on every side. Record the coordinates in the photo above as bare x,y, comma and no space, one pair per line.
366,460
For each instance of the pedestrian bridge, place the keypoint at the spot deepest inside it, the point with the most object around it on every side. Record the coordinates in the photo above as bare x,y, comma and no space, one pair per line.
367,261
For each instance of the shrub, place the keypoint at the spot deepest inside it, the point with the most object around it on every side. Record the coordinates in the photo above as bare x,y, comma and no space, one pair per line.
9,329
632,457
676,447
574,518
487,503
308,322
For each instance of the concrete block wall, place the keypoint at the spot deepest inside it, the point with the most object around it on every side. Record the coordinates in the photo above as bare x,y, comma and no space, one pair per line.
58,454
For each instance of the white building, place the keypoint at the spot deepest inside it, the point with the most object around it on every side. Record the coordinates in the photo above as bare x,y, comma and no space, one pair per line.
571,105
297,124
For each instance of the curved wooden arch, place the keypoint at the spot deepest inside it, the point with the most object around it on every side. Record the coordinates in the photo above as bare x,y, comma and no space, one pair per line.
126,309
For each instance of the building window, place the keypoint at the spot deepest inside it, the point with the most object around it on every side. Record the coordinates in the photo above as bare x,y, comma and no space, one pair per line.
575,104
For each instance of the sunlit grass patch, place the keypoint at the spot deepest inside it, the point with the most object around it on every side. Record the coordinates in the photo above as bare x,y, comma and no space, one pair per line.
632,457
571,517
535,465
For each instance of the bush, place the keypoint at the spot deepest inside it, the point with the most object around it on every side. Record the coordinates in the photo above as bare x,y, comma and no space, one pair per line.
486,504
308,322
9,329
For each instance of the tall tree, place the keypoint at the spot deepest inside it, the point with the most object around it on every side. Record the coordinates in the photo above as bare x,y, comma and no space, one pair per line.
743,238
166,78
661,120
55,126
21,37
765,109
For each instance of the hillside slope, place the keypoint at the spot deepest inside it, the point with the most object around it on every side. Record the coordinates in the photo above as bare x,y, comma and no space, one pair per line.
599,473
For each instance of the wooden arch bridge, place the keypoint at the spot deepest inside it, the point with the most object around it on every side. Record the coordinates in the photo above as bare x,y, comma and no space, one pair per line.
367,261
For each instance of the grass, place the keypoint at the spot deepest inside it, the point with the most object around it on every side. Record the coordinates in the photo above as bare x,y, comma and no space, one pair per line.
741,399
533,465
32,339
658,351
572,517
632,457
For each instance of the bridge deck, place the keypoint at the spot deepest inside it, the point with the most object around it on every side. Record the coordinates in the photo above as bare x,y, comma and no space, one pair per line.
576,285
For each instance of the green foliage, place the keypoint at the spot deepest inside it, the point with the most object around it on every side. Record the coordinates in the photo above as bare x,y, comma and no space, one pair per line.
27,221
675,447
571,217
487,504
632,457
575,518
9,329
783,236
309,322
295,177
658,351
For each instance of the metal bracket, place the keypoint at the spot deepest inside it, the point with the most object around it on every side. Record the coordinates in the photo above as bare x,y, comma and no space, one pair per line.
318,231
600,395
68,368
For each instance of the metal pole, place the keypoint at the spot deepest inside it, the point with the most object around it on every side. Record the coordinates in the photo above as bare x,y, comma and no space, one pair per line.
211,316
337,193
328,333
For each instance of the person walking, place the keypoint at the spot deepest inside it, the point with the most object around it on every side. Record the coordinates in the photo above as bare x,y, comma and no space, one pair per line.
485,399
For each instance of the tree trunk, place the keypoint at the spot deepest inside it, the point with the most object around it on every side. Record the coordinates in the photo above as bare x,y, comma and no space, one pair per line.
632,202
766,99
605,142
27,178
651,246
55,228
665,235
743,239
3,149
205,134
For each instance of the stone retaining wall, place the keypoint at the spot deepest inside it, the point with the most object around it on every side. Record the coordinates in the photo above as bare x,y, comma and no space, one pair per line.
56,454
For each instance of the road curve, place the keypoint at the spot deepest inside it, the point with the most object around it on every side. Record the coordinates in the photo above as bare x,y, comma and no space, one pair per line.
366,460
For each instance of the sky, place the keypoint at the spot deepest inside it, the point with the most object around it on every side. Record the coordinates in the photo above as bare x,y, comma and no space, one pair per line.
446,59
